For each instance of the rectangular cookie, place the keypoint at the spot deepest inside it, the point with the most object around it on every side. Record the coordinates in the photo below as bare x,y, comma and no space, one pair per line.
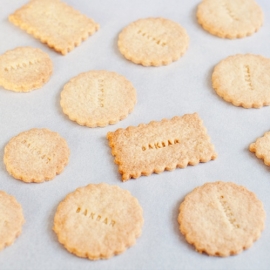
160,146
54,23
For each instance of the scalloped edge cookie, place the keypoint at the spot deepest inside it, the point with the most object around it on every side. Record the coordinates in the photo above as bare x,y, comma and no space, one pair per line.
221,218
261,148
11,219
98,98
243,80
36,155
158,146
24,69
55,23
230,18
98,221
153,41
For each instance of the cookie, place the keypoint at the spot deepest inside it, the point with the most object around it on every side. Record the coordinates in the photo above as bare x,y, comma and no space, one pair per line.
98,98
221,218
261,148
153,41
230,18
11,219
55,23
36,155
24,69
243,80
160,146
98,221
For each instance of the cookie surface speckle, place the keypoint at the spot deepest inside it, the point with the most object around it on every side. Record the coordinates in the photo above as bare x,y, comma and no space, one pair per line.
230,18
243,80
24,69
261,148
55,23
36,155
221,218
153,41
160,146
98,98
98,221
11,219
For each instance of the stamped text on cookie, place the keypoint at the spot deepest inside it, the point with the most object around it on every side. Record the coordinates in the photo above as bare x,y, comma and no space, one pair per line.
229,11
95,216
228,212
101,93
157,145
23,64
152,38
160,146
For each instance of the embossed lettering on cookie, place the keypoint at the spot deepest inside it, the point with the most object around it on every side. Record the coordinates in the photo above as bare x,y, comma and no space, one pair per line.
230,18
24,69
221,218
153,41
98,221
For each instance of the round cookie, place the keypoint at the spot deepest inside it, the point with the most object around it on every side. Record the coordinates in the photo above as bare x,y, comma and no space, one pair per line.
98,98
243,80
98,221
11,219
221,218
230,18
153,41
24,69
36,155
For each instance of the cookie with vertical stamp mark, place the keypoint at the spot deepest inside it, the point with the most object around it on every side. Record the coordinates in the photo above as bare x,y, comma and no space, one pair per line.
153,41
36,155
11,219
243,80
261,148
221,218
98,98
24,69
230,18
98,221
55,23
160,146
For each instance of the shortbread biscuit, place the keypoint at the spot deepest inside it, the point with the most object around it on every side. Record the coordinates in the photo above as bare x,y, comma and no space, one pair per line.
98,98
98,221
221,218
160,146
24,69
243,80
55,23
153,41
261,148
11,219
36,155
230,18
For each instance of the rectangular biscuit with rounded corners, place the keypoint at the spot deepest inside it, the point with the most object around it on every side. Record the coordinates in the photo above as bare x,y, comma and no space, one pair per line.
55,23
160,146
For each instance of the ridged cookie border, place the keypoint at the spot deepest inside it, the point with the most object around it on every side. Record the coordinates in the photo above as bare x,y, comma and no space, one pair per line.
25,178
126,176
129,243
94,124
157,63
38,35
252,148
22,220
189,237
209,28
218,88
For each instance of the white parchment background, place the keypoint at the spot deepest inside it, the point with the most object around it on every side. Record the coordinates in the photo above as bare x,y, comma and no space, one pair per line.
163,92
